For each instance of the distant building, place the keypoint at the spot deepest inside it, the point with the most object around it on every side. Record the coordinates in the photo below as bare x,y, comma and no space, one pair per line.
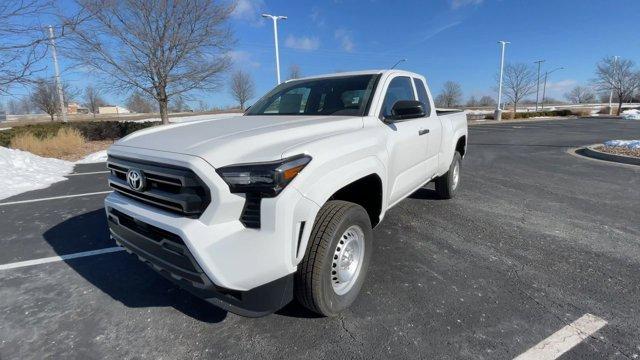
112,109
75,108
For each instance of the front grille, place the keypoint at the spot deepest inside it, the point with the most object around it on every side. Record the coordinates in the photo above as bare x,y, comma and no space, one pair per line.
164,250
168,187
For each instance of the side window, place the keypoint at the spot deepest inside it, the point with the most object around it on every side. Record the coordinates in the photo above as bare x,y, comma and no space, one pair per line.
422,95
399,89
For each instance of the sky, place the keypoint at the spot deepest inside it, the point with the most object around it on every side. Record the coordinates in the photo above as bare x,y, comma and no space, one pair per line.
441,39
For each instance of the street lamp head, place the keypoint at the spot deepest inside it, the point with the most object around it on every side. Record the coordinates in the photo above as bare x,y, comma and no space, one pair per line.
266,15
282,17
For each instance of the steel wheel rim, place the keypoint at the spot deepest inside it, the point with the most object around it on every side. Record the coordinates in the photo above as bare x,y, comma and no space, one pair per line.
347,260
456,175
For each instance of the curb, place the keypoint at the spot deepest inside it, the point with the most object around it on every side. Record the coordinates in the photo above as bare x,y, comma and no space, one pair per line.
591,152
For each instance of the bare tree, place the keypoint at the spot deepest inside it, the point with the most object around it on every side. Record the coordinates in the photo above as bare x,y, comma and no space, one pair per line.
294,72
45,96
92,99
202,106
580,95
519,81
242,88
138,103
450,96
617,75
27,45
163,48
178,104
487,101
472,102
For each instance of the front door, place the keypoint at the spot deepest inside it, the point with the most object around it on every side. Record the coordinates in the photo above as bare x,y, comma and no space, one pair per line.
407,145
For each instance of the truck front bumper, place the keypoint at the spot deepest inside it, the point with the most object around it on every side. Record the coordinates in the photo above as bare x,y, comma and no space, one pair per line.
168,254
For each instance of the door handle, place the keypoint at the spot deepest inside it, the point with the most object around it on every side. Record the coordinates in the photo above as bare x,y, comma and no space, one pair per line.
423,131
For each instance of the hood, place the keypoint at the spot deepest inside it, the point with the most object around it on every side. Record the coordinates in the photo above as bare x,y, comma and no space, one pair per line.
239,139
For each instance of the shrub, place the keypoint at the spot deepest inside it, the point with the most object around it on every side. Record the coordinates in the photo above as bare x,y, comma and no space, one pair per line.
90,130
582,112
64,143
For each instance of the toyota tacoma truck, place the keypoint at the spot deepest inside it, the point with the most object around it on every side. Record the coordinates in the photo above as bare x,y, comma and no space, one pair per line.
252,211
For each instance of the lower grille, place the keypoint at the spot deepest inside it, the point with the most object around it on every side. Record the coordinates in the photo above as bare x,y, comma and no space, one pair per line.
163,250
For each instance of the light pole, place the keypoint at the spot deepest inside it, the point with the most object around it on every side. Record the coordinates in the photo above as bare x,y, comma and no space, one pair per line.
275,19
615,62
56,68
539,62
498,113
544,88
396,64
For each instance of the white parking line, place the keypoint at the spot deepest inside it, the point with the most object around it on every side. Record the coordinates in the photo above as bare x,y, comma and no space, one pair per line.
564,339
88,173
60,258
54,198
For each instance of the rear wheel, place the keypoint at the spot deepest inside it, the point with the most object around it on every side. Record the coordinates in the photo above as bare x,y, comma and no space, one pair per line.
333,269
447,184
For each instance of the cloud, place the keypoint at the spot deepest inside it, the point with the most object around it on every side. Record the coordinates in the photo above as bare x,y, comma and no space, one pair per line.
457,4
316,16
242,59
302,43
435,31
346,41
249,10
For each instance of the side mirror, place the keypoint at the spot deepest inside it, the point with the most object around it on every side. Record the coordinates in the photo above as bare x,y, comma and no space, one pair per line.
406,109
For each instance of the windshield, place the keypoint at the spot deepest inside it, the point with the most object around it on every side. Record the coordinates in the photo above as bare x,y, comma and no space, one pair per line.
348,95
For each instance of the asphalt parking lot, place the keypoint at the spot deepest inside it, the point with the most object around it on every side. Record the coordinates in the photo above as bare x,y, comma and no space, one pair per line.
537,239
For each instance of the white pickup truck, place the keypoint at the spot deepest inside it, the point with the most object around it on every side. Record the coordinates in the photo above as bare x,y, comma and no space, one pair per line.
251,211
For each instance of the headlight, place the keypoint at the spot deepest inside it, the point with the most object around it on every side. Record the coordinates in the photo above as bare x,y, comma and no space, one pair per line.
266,179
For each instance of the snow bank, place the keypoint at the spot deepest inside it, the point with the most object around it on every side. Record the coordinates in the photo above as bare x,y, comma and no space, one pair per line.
96,157
23,171
628,144
632,114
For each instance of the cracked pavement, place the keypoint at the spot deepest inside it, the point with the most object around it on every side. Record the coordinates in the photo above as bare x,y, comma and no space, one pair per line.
536,239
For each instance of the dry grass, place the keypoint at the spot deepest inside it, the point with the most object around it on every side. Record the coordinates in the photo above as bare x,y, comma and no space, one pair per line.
66,142
582,112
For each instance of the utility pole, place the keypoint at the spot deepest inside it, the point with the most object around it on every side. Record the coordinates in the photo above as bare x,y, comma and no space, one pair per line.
544,89
54,55
275,19
539,62
615,64
498,112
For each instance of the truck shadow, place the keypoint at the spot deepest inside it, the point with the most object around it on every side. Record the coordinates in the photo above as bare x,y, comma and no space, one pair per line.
120,275
425,194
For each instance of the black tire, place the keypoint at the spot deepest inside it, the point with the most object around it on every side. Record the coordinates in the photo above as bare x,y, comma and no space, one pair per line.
313,280
446,186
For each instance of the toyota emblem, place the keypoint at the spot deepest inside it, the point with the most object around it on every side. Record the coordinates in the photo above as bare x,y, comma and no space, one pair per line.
136,179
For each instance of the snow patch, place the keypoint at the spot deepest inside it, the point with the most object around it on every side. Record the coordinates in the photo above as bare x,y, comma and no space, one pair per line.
632,114
627,144
96,157
23,171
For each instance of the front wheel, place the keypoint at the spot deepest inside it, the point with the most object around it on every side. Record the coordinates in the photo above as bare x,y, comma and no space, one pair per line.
447,184
330,275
